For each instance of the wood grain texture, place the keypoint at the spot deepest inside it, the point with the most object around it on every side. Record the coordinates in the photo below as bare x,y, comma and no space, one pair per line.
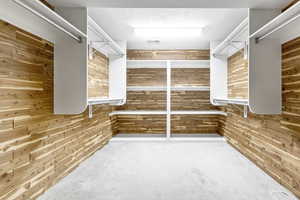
146,77
191,100
168,54
194,124
98,82
145,124
238,76
38,148
273,142
145,100
190,77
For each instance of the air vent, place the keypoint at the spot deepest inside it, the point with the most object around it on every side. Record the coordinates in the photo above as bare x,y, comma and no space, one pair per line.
153,41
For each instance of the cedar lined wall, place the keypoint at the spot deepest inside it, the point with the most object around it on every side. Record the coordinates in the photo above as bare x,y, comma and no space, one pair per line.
98,76
145,100
38,148
156,100
273,142
191,100
141,124
190,77
146,77
194,124
238,76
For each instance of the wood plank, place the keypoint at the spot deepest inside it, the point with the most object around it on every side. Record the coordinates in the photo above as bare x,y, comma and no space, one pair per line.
272,142
238,76
168,54
38,148
98,82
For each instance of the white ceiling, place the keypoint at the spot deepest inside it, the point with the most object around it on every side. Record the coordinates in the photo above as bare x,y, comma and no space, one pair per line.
174,3
119,23
217,18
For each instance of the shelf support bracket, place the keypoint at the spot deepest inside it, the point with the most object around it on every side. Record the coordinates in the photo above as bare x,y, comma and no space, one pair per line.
245,111
90,111
245,50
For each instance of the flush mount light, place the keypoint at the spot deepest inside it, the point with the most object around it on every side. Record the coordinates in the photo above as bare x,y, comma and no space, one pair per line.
167,32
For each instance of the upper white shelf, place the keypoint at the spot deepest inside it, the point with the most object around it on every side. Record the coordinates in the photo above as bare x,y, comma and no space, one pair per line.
41,10
285,26
99,39
146,64
163,63
190,63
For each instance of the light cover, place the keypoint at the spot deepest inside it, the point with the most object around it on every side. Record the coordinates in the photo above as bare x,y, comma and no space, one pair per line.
167,32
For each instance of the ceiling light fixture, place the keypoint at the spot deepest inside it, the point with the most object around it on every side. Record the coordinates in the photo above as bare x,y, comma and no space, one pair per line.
167,32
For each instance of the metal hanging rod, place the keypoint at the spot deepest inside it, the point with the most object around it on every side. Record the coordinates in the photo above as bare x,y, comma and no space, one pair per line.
258,39
75,37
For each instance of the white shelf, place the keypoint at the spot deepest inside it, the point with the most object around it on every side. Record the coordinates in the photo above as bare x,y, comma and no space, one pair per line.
202,112
232,101
284,27
190,64
146,88
100,40
41,10
95,101
135,64
190,88
138,112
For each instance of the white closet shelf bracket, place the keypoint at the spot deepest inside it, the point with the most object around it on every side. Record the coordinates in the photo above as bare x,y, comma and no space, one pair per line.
71,30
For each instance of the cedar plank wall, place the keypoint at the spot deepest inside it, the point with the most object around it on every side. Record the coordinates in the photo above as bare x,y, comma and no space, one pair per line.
145,100
38,148
146,77
98,76
154,100
145,124
238,76
273,142
194,124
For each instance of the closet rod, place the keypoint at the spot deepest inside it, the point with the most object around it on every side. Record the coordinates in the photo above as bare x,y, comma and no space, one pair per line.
77,38
258,39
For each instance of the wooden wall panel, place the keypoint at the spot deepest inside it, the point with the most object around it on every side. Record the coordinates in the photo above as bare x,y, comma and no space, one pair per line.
273,142
38,148
168,54
98,81
146,77
238,76
191,100
146,124
194,124
145,100
190,77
